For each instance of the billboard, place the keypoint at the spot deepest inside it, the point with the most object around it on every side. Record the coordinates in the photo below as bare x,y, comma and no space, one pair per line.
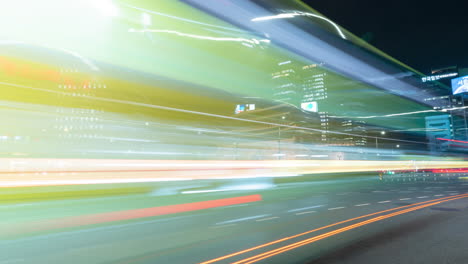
460,85
438,77
310,106
244,107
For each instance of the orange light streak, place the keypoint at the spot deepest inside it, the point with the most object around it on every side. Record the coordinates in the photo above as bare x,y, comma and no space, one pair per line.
317,229
283,249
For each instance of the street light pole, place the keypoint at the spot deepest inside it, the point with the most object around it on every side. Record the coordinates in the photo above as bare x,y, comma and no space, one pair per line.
377,142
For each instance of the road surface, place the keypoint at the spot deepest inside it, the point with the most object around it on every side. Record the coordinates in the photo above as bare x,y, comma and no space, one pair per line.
356,219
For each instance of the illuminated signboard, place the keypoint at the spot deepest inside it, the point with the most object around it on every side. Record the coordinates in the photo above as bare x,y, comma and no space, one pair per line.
244,107
460,85
437,77
310,106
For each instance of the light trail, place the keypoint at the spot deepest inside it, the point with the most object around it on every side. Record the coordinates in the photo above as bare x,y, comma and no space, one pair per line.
453,140
108,217
182,34
332,233
306,14
324,227
179,18
153,106
46,172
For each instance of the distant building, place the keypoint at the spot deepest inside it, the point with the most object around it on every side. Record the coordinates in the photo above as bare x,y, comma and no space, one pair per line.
286,79
314,92
306,87
438,127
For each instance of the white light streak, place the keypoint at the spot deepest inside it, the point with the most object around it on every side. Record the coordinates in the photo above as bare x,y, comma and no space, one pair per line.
181,34
179,18
292,15
197,113
284,15
106,7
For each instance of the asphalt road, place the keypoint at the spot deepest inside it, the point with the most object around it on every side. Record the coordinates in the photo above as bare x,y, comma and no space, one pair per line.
435,233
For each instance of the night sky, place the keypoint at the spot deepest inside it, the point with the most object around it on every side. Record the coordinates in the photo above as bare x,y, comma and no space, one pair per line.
421,34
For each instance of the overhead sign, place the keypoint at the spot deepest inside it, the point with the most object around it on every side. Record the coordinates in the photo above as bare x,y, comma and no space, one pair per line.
437,77
244,107
460,85
310,106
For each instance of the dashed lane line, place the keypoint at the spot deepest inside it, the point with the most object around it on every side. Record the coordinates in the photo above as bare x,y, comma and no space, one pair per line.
306,212
304,208
267,219
335,208
362,204
242,219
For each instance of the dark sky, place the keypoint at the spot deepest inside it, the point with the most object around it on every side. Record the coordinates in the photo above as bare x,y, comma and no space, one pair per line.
421,34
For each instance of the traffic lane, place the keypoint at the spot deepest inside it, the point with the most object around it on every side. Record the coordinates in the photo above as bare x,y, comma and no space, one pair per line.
37,210
175,237
259,251
28,211
316,199
41,211
435,235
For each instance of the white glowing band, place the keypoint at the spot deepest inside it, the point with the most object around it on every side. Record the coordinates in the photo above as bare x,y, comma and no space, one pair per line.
197,112
292,15
286,15
181,34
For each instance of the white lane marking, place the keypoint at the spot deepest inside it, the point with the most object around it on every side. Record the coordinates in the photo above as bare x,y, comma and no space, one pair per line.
201,191
306,212
362,204
221,226
304,208
266,219
236,205
454,193
335,208
384,201
403,199
422,197
439,195
242,219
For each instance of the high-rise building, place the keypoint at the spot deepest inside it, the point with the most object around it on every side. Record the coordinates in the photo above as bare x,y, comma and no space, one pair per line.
77,117
286,79
314,93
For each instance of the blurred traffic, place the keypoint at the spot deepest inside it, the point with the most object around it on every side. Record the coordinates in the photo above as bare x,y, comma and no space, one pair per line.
205,131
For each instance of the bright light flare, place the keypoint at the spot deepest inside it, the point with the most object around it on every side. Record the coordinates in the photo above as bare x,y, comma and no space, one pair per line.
106,7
